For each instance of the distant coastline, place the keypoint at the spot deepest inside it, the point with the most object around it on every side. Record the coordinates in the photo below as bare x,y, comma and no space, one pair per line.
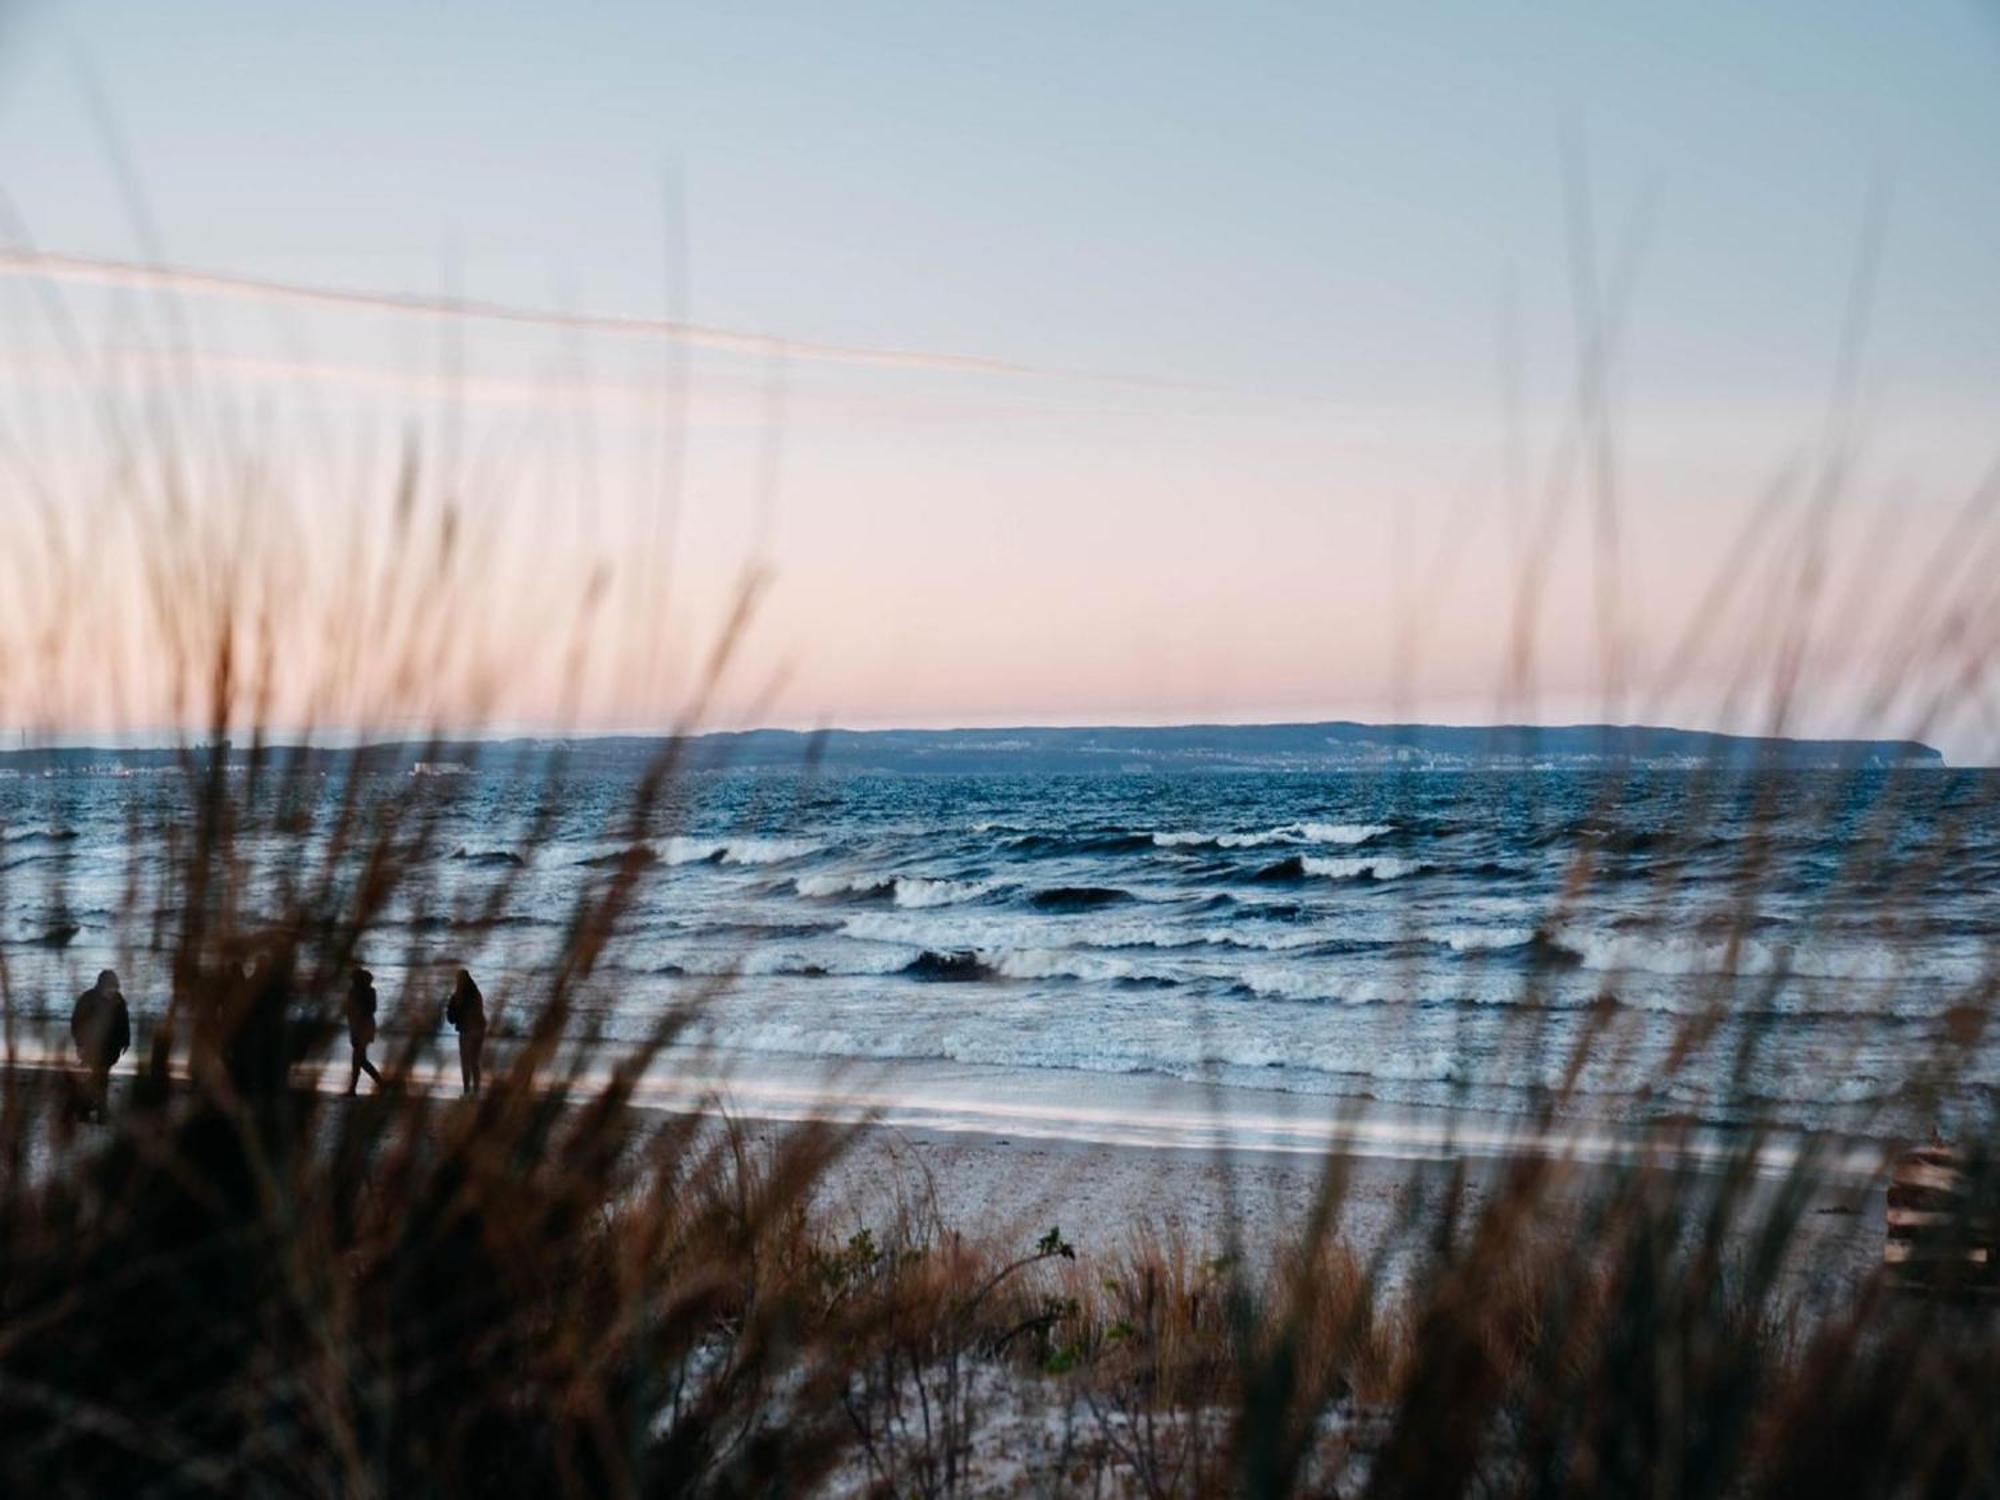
1336,745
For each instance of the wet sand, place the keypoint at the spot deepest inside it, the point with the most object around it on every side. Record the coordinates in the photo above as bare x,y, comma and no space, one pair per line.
1104,1188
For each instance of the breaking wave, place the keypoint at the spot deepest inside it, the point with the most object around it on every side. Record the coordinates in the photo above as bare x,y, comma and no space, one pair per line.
911,892
1299,867
1078,897
736,851
1289,833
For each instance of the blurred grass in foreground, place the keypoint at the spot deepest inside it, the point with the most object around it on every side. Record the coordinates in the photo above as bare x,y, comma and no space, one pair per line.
242,1285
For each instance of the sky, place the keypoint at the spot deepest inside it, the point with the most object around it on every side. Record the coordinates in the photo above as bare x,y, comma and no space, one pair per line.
1245,350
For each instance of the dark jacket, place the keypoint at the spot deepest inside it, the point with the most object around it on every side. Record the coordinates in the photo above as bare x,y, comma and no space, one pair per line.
361,1009
101,1027
467,1007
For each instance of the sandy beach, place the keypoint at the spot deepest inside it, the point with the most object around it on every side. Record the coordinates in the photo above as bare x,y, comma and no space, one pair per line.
1222,1172
1101,1196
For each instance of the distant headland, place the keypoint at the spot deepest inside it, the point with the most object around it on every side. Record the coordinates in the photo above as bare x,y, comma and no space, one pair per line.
1339,745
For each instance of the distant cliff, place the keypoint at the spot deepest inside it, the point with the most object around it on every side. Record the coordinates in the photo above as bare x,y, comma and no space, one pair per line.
1212,748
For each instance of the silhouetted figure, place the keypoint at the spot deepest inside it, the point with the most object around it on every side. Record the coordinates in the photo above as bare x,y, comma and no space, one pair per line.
467,1011
258,1043
102,1029
361,1027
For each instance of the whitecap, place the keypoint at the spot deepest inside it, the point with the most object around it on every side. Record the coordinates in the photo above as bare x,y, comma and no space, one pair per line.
1343,833
1361,867
917,892
1484,939
685,850
821,887
1288,833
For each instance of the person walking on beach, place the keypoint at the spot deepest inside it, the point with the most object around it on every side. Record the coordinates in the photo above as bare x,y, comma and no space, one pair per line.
361,1027
467,1011
101,1027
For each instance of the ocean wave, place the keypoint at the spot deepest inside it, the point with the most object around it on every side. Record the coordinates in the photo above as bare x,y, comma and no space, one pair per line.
1068,963
831,887
1345,833
1187,1056
764,930
1169,936
1103,841
645,854
1351,867
686,850
947,968
449,922
918,893
40,836
1289,833
911,892
1340,867
1267,911
1693,954
785,963
1078,897
1485,939
975,964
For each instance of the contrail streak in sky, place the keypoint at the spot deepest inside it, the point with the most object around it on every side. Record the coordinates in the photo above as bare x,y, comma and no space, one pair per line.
89,270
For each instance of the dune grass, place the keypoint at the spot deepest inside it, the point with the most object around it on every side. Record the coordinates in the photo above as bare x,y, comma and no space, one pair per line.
243,1285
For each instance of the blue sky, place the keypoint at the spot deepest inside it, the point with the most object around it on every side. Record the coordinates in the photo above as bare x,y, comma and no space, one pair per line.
1321,198
1326,209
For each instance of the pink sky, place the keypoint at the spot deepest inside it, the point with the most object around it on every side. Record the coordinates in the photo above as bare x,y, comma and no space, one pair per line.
939,546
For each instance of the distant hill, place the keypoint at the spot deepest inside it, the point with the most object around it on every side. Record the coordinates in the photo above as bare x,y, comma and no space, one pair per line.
1194,748
1340,745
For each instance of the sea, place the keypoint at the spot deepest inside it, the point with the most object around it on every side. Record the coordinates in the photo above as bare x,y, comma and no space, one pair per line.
1124,956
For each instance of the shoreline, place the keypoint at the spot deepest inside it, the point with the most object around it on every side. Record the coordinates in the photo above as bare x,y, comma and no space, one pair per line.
1138,1111
976,1170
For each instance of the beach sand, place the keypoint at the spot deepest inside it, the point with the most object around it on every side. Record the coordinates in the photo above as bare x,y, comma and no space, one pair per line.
1010,1192
1142,1162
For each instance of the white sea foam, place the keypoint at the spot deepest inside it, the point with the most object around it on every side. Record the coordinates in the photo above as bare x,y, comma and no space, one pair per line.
915,892
1484,939
852,962
768,851
1058,963
1678,953
1318,985
1180,1053
1289,833
1343,833
820,887
1262,940
685,850
1359,867
911,892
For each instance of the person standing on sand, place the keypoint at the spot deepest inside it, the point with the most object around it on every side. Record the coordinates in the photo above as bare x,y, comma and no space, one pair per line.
361,1027
101,1027
467,1011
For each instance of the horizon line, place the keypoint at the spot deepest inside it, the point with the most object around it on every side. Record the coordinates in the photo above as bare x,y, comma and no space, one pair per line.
349,740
